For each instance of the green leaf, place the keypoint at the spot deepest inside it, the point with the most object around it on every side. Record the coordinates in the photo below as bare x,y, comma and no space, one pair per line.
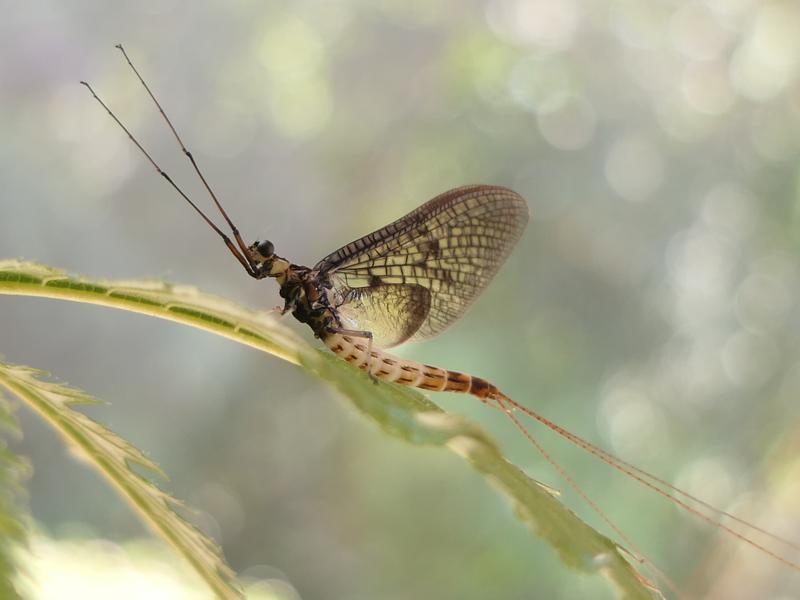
397,410
114,458
13,534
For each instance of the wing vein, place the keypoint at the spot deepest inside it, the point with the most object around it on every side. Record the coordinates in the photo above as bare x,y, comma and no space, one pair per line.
419,274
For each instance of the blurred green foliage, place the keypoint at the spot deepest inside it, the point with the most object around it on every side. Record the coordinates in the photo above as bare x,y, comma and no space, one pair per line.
399,411
651,307
13,471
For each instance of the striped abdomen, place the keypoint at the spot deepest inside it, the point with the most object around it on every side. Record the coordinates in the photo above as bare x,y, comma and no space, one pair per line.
383,365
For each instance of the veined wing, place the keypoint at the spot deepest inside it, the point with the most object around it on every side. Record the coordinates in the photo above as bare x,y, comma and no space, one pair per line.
392,313
451,246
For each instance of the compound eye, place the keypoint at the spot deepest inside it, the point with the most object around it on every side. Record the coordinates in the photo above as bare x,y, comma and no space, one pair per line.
265,248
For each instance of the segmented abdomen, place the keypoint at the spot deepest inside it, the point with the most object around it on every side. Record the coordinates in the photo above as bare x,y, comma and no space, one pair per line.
387,367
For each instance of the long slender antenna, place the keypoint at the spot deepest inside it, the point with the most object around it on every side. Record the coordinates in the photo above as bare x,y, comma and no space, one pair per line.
241,255
234,230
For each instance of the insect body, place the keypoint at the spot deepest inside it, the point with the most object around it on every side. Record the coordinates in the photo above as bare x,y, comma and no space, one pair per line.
407,281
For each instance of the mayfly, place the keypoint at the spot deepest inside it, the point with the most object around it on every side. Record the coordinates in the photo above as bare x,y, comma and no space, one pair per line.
409,281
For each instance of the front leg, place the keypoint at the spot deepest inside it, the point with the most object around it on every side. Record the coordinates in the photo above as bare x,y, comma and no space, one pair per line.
282,310
288,306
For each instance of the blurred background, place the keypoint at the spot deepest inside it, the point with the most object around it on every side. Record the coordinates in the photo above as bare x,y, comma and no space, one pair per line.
651,306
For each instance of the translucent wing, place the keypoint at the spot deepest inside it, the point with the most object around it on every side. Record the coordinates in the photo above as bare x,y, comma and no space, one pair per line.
451,246
393,313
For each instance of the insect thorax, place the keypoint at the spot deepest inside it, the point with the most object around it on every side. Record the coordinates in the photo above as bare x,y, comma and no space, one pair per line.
307,296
